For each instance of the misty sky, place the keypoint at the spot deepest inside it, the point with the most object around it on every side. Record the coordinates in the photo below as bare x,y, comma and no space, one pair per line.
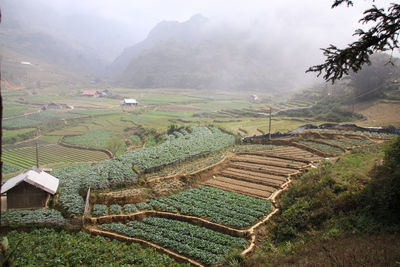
299,27
311,18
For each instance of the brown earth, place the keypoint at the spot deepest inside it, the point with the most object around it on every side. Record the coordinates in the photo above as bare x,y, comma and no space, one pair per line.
384,112
120,197
261,173
268,160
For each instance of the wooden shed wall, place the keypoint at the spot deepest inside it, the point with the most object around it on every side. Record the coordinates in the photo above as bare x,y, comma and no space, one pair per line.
25,196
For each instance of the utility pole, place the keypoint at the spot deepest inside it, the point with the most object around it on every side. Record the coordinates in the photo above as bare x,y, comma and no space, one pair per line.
37,150
37,155
269,131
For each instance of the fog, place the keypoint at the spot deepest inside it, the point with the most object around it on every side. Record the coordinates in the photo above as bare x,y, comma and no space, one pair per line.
105,27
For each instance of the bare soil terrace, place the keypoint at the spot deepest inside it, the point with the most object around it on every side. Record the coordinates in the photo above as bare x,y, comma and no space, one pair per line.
260,174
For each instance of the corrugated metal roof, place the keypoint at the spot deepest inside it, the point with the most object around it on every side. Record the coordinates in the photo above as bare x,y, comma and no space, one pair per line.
38,178
130,101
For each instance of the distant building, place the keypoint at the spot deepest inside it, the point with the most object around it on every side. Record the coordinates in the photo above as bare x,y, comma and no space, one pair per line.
51,106
30,189
93,93
130,102
105,93
254,97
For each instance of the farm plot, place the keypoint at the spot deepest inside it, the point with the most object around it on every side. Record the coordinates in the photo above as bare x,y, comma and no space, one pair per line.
290,153
35,119
362,133
322,147
201,140
214,204
124,169
48,247
197,242
357,142
94,138
25,157
258,174
337,142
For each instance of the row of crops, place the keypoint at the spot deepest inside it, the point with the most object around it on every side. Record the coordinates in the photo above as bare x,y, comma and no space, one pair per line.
25,157
191,166
47,247
74,181
337,142
202,140
322,147
197,242
216,205
332,145
93,138
36,119
346,142
364,133
7,168
41,216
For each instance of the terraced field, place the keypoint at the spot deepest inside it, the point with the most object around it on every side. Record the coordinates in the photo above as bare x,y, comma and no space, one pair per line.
25,157
228,206
261,173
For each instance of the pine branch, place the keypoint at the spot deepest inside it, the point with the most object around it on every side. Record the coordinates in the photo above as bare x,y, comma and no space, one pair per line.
383,36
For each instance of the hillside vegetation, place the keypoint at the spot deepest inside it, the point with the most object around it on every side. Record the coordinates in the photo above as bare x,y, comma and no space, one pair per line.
344,213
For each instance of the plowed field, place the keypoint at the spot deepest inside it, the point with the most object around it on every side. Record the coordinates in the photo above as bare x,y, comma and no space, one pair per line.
261,173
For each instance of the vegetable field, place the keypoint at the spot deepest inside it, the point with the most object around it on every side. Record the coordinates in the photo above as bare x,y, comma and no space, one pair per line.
201,140
36,119
47,247
216,205
25,157
41,216
201,243
322,147
94,138
7,168
363,133
120,170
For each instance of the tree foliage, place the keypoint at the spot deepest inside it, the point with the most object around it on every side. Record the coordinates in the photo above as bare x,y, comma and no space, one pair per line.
371,81
382,36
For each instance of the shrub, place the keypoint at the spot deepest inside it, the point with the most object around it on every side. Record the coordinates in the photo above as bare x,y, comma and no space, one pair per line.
143,206
99,209
114,209
129,208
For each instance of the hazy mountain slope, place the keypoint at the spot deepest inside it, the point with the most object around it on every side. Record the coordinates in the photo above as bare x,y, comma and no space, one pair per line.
43,47
200,54
190,31
68,39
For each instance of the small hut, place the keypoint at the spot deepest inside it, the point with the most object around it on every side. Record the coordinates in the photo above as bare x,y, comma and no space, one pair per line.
51,105
130,102
30,189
